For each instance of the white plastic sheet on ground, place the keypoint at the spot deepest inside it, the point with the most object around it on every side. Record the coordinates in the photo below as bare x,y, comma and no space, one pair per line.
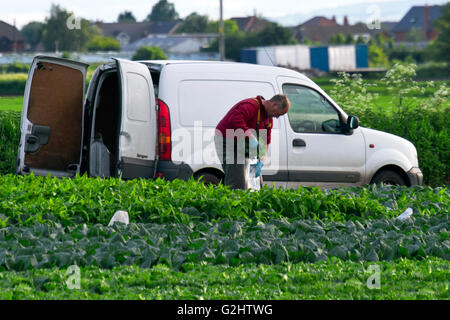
119,216
406,214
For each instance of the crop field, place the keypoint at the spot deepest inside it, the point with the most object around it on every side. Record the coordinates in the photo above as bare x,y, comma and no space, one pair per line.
189,241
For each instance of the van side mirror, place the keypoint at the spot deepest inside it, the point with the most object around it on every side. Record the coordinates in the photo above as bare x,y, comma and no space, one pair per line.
352,123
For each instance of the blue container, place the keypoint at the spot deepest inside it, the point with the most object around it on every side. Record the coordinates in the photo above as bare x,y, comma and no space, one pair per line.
362,56
249,56
319,58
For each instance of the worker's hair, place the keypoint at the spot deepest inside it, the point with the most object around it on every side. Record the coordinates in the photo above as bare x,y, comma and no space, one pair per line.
282,100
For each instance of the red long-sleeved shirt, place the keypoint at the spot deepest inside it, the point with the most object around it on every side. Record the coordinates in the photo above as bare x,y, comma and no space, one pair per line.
244,115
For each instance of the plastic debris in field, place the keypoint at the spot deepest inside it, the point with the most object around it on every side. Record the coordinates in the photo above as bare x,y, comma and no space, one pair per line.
119,216
406,214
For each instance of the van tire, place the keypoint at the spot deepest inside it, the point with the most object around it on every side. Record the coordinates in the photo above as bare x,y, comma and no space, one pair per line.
207,178
388,177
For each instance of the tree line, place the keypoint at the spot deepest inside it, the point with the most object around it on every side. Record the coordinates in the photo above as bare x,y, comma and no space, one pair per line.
54,34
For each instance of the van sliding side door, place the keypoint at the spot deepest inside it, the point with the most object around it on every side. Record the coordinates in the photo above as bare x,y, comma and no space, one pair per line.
138,131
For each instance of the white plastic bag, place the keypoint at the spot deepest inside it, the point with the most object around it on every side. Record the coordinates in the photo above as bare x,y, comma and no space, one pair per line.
406,214
253,183
119,216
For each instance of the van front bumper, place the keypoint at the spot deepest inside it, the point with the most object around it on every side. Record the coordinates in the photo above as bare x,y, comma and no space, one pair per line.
170,170
415,177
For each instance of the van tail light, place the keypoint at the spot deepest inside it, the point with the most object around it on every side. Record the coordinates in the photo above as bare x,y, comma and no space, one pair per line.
164,132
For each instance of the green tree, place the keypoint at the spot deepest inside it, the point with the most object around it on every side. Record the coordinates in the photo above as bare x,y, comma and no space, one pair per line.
440,47
377,57
337,39
126,16
360,40
230,27
63,31
163,11
32,33
349,39
149,53
274,34
236,40
194,23
99,43
415,35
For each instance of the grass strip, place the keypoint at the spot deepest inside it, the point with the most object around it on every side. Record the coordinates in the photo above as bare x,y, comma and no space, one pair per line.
332,279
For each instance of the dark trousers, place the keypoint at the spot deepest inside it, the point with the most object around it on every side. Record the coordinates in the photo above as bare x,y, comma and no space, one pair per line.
234,160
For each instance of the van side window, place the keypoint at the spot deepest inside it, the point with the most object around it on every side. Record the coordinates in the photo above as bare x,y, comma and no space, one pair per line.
310,111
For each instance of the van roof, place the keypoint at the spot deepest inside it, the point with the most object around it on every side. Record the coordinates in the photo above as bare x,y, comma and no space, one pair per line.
250,66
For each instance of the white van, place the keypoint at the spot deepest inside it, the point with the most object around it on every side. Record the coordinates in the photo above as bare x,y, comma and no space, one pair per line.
157,118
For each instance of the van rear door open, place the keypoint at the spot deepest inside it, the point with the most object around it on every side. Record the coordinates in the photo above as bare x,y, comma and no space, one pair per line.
138,131
52,118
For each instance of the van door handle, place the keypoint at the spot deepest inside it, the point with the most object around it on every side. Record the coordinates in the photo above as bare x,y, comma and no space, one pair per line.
298,143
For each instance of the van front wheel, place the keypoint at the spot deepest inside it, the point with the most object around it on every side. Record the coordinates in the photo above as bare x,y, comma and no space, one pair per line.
389,177
207,178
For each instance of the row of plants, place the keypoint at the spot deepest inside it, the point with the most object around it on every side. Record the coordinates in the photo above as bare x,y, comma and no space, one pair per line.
332,279
29,199
233,242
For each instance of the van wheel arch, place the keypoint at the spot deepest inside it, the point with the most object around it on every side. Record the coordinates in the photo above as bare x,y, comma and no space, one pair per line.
209,176
391,174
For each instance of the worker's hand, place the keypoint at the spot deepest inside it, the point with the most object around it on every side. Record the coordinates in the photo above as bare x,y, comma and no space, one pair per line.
258,167
253,143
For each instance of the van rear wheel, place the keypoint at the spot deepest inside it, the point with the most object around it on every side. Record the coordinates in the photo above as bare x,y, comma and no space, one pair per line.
389,177
207,178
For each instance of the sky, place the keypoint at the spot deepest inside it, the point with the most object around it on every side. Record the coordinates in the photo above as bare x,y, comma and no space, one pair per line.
285,12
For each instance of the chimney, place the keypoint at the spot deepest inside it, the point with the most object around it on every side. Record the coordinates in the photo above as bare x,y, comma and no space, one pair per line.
345,21
426,12
334,19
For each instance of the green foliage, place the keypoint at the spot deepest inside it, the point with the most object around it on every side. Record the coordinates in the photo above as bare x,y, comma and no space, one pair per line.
441,46
57,35
434,70
163,11
9,138
11,103
13,84
349,39
274,34
360,40
126,16
230,27
350,91
308,42
100,43
337,39
15,67
30,199
149,53
236,40
324,280
377,57
32,33
224,241
194,23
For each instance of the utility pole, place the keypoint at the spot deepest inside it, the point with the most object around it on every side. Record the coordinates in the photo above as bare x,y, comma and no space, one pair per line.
222,34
